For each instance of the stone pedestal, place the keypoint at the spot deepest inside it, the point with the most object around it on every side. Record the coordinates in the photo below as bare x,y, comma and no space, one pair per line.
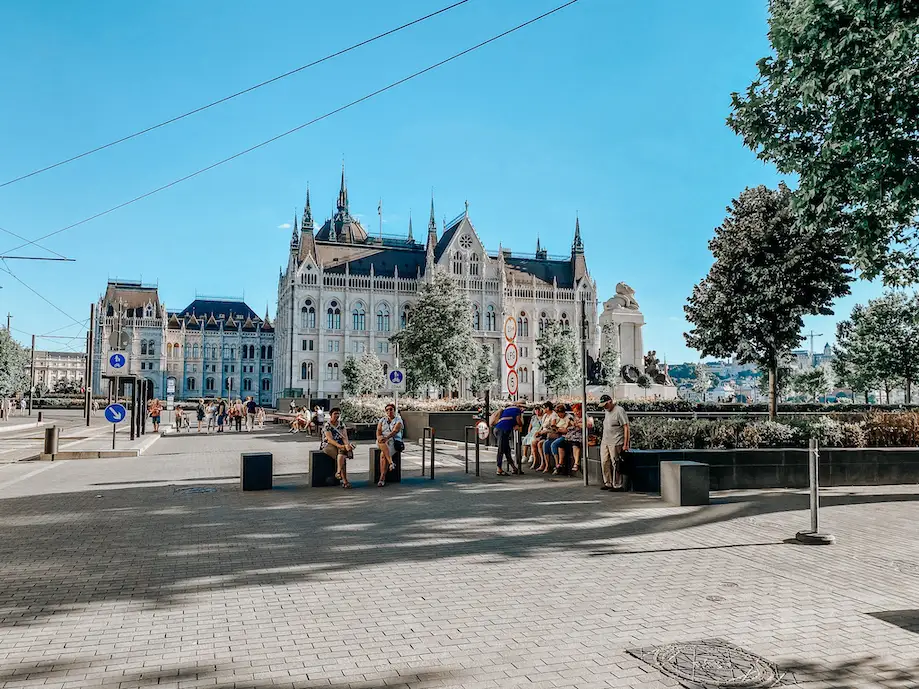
322,470
255,470
684,483
393,475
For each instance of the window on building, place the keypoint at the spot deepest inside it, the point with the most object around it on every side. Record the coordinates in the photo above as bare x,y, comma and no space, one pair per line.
564,321
143,346
406,316
150,349
358,317
524,352
333,314
383,318
269,369
334,345
245,352
214,353
303,345
331,371
491,318
148,312
457,263
209,384
358,347
476,317
233,369
263,351
247,385
383,347
266,384
269,352
543,322
308,315
474,264
524,374
523,325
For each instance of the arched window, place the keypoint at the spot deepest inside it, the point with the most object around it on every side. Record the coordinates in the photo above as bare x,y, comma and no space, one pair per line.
266,384
308,315
524,374
143,346
333,314
543,322
110,311
564,321
406,316
523,325
247,385
232,352
457,263
263,351
474,264
149,311
194,351
209,384
190,384
251,351
476,318
303,371
269,351
491,319
331,371
383,318
385,368
169,350
358,317
245,352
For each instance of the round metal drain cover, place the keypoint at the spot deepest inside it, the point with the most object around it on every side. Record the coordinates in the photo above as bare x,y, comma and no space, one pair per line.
719,665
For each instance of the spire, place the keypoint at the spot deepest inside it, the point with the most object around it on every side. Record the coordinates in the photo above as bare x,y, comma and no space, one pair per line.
343,193
540,252
577,246
307,225
410,237
294,238
432,223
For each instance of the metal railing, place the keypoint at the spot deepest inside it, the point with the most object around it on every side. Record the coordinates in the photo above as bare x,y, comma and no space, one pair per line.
478,447
426,434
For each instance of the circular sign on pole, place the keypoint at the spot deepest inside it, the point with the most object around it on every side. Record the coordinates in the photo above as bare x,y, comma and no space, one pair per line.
512,382
510,329
482,429
510,355
119,339
115,413
116,360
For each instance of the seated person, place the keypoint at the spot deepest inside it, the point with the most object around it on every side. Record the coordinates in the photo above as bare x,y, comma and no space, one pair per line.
389,440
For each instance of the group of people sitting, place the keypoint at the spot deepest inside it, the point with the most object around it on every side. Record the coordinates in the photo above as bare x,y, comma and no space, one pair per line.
335,443
306,421
555,435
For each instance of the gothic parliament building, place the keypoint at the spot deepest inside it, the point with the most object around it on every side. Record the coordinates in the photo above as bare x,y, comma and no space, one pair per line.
343,293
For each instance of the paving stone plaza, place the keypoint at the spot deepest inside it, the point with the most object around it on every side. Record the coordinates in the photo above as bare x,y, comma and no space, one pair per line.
159,571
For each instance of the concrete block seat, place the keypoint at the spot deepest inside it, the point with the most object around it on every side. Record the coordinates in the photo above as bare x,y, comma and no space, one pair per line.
256,470
685,483
322,470
392,476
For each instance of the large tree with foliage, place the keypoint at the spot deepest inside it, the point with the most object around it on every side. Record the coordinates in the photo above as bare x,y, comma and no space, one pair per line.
484,374
837,105
609,357
14,366
811,383
703,381
558,356
859,351
769,272
363,374
437,346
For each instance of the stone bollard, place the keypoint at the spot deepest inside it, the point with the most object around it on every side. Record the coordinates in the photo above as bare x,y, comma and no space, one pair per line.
52,436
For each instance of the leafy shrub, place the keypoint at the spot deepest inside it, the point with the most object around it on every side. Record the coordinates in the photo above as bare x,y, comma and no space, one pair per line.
892,430
769,434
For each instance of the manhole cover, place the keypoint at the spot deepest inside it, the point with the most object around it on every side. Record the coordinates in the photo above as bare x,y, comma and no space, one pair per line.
196,489
713,664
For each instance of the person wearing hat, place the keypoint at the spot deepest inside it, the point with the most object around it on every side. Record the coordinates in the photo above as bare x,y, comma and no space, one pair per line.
615,441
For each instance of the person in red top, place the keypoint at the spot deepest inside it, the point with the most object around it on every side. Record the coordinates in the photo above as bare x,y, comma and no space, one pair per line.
156,409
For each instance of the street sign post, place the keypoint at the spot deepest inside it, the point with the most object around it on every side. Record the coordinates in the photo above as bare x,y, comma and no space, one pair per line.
119,339
115,413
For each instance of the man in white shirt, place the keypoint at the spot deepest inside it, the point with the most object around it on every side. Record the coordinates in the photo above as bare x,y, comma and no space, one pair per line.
615,441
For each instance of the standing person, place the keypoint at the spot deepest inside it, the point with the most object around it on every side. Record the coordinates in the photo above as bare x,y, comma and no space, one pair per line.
260,418
179,418
389,440
615,441
251,408
508,420
575,435
200,412
292,408
7,407
221,414
239,412
530,441
335,444
22,406
156,409
210,414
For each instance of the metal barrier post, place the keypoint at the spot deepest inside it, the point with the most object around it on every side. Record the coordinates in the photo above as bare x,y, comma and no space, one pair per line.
478,444
432,454
424,447
466,443
814,536
518,448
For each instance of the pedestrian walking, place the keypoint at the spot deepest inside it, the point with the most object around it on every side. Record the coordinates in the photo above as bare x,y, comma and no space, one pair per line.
260,418
239,411
221,414
210,415
156,409
615,441
251,408
200,412
179,418
505,422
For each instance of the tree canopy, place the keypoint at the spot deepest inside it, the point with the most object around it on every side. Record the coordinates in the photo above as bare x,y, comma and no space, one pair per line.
558,356
363,374
837,104
769,272
14,366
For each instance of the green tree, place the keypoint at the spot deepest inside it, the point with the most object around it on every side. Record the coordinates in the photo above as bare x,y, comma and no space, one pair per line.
609,358
891,324
769,272
14,366
837,105
859,351
437,347
702,379
783,376
645,382
484,375
811,384
558,357
363,374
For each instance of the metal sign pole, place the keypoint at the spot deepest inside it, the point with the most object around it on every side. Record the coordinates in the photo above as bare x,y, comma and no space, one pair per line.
814,536
115,425
584,429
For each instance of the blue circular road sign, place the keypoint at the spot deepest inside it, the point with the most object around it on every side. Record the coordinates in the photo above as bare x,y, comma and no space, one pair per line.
115,413
116,360
395,376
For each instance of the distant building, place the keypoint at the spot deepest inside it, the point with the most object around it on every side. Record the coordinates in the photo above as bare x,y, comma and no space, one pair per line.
51,367
211,348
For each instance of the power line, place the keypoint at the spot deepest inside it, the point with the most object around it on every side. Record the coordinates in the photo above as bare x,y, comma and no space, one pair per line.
6,269
299,127
19,236
35,258
233,95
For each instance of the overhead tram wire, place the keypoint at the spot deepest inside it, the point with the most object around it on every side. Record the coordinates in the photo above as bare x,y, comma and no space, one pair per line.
19,236
232,95
6,269
302,126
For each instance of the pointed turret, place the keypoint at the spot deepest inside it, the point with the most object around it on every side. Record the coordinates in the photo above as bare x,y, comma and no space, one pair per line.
294,237
577,246
541,253
307,224
578,262
343,194
410,237
307,240
432,224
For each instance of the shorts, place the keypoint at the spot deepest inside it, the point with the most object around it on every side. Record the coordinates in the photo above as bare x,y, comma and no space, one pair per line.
156,419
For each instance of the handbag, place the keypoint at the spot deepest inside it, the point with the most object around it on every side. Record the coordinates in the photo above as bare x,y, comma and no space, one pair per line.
398,445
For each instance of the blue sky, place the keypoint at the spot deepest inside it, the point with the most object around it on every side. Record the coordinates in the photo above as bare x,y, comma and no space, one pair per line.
611,110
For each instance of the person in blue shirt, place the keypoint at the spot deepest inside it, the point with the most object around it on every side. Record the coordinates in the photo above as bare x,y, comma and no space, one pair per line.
506,422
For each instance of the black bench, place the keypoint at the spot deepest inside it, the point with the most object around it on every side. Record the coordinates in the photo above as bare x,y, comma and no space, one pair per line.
322,470
393,475
255,470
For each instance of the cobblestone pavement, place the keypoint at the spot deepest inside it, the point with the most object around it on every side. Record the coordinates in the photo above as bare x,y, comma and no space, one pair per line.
158,571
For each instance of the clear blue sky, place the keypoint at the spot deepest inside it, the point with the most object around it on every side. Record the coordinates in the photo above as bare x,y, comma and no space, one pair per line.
614,110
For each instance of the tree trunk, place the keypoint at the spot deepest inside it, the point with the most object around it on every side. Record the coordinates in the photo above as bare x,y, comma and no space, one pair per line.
909,390
866,396
773,374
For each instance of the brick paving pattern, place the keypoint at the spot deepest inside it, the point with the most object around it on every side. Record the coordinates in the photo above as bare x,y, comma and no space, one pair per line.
113,576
